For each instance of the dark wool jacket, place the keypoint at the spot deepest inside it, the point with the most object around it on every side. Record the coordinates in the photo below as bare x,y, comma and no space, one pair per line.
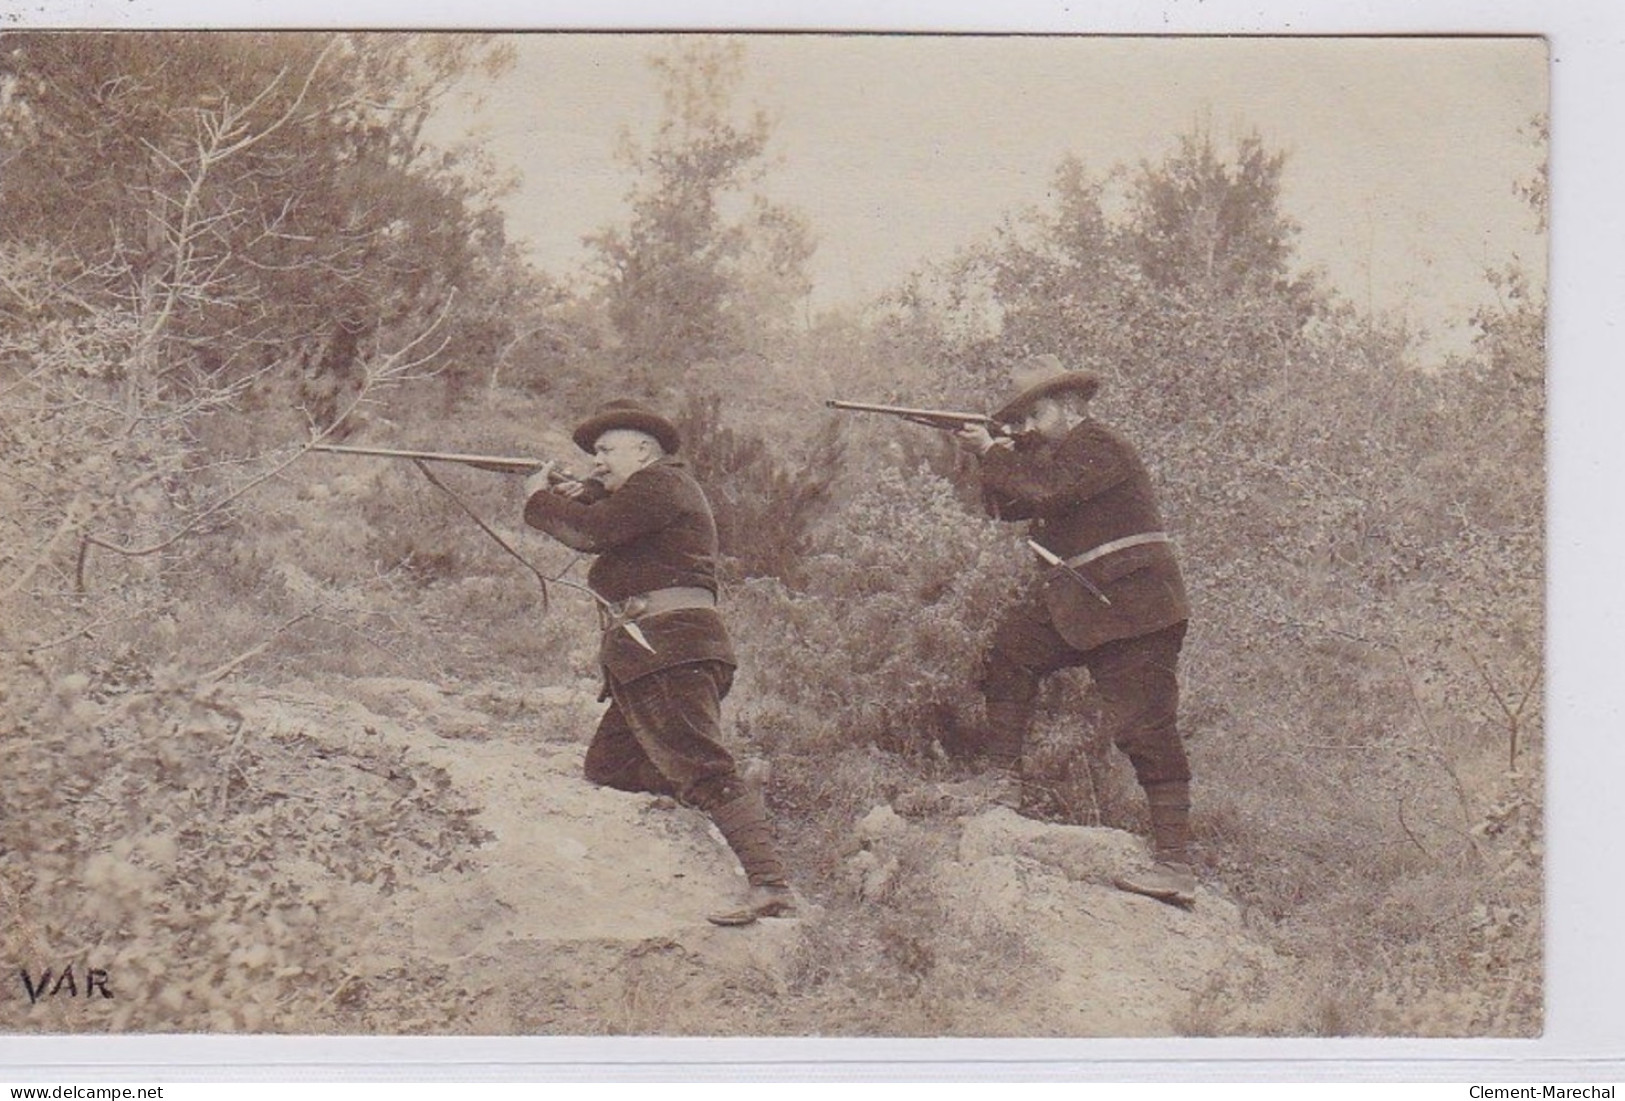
655,532
1080,492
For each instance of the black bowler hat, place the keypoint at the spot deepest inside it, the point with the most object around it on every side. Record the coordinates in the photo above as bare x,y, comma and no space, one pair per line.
1043,377
624,413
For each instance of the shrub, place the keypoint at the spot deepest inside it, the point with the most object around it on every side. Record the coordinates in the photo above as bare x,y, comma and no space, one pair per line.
765,503
883,648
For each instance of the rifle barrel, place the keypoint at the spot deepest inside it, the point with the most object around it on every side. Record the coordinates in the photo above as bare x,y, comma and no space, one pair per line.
904,411
502,464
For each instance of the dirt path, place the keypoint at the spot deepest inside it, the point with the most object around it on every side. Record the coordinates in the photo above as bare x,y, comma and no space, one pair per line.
571,881
583,909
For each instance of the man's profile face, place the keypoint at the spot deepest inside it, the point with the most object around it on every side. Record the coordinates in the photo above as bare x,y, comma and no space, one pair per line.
620,453
1047,419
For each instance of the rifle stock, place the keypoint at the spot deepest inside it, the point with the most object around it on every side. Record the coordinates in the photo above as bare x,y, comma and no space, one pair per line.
945,420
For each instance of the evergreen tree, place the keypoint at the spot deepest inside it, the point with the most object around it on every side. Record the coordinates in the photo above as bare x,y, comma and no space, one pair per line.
684,281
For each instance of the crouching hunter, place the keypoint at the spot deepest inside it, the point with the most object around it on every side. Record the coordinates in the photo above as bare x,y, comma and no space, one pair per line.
665,653
1109,598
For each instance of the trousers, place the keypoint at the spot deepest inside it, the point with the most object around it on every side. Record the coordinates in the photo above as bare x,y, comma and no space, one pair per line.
1137,679
662,734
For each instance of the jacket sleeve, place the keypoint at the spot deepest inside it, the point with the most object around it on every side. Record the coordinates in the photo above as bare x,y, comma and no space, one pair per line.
645,504
1020,484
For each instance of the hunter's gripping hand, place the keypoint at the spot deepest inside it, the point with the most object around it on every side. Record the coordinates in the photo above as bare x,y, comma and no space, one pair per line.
974,438
553,477
538,480
548,476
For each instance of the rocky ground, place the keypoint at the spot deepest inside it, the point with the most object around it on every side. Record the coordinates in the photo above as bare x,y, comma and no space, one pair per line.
469,881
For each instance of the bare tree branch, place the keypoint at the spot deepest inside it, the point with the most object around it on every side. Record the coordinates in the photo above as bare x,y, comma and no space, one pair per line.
395,367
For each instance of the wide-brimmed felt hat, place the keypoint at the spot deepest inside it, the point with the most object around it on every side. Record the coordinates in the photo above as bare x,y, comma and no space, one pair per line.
625,413
1041,377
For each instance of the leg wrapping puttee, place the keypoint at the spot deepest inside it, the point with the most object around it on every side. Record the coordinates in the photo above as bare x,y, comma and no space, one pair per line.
744,825
1008,724
1170,805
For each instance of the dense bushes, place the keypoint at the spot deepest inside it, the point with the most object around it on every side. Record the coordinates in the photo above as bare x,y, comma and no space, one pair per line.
884,645
766,499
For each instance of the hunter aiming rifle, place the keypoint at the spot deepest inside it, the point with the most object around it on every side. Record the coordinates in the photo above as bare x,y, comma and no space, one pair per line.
941,419
496,464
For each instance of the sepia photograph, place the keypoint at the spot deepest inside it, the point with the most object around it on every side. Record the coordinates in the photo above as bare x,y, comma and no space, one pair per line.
772,535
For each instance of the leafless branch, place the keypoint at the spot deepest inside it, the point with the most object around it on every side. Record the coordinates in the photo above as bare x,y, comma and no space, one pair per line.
393,368
74,516
225,668
1512,714
85,630
1414,840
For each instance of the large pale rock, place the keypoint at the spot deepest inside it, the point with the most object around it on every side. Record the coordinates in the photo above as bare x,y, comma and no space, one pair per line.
1088,853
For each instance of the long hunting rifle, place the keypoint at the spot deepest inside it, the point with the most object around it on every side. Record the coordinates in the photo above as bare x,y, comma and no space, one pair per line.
496,464
944,420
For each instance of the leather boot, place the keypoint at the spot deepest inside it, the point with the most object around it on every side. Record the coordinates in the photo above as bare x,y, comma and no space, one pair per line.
1003,739
1170,879
744,825
1165,881
1005,736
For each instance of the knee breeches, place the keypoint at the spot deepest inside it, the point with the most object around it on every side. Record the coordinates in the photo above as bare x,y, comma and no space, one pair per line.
1137,679
662,734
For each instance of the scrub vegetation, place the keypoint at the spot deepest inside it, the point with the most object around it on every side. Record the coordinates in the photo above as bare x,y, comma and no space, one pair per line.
219,249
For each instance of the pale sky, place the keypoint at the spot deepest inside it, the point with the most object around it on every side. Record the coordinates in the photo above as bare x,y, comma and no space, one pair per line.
1403,152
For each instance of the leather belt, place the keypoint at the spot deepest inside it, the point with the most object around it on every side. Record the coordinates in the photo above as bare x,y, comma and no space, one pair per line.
1116,545
656,601
626,613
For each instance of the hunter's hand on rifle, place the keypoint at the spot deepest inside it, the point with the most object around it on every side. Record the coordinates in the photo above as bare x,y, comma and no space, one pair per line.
557,478
552,476
539,480
975,438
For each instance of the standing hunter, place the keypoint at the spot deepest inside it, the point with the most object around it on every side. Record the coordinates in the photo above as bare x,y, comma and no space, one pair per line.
666,657
1110,597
